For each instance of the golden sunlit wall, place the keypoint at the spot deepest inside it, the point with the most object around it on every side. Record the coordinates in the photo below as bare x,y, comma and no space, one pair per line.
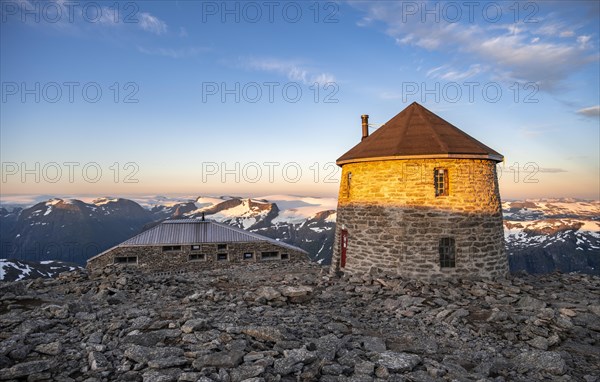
395,221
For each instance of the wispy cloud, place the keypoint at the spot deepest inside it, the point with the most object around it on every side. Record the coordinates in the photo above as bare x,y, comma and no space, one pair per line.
293,70
173,52
70,15
591,112
551,170
512,52
448,73
152,23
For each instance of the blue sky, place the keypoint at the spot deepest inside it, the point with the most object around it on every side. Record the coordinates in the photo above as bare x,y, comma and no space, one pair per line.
169,74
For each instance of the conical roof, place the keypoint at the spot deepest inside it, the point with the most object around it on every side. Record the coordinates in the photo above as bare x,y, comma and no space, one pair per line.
416,132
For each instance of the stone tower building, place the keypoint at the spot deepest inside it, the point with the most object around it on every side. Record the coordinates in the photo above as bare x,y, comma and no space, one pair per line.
420,197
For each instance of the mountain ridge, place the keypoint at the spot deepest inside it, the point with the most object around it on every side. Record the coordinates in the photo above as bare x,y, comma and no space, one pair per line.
542,235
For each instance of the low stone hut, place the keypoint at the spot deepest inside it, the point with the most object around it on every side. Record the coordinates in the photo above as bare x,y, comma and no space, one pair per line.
194,244
420,198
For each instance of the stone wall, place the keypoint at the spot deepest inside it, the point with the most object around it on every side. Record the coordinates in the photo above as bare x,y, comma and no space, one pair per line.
153,259
395,221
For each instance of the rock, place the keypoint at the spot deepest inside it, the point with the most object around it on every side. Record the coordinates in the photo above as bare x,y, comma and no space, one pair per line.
97,361
530,303
291,291
155,376
567,312
539,343
194,325
398,362
150,339
52,348
594,309
268,293
382,372
142,354
327,346
365,367
219,359
337,327
163,363
286,365
545,361
413,344
24,369
332,369
264,333
374,344
245,372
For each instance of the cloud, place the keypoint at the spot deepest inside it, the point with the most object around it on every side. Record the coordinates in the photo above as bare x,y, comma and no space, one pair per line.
532,167
591,112
68,14
551,170
152,24
173,53
294,71
447,73
512,52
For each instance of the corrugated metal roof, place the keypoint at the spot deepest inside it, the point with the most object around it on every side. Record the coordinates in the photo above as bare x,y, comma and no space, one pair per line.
195,231
417,131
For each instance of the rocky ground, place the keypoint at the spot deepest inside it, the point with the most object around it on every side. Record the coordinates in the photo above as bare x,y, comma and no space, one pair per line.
266,322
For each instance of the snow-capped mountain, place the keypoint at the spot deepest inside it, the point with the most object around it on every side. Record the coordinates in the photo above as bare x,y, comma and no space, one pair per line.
541,235
15,270
308,223
69,229
553,234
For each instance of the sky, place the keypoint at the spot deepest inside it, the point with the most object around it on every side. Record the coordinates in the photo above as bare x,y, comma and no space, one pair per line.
247,98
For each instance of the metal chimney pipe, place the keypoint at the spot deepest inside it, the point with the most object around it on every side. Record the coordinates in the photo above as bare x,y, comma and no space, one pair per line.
203,216
365,126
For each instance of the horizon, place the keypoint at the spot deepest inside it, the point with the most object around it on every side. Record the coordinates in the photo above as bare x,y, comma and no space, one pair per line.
167,98
149,200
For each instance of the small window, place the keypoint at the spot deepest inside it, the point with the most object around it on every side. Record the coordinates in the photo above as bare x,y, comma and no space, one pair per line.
222,257
285,256
196,247
248,256
197,257
447,253
126,260
221,247
440,180
171,248
269,256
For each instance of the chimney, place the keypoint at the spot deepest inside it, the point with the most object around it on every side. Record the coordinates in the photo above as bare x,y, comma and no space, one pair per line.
365,126
203,216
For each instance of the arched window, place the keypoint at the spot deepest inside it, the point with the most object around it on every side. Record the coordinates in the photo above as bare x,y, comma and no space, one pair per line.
447,250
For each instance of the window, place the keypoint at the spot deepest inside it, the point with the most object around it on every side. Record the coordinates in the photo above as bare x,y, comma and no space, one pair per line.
221,247
197,257
221,257
285,256
447,252
269,255
248,255
440,181
196,247
171,248
126,260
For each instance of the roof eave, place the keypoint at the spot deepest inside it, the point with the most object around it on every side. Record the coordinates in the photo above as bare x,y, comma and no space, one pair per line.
494,157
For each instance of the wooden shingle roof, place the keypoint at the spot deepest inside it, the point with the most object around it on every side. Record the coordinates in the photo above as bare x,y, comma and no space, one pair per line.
416,132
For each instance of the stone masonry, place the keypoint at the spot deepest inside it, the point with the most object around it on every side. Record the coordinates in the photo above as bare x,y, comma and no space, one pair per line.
395,221
154,260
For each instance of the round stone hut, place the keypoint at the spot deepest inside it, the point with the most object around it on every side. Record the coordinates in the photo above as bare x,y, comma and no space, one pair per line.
420,198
